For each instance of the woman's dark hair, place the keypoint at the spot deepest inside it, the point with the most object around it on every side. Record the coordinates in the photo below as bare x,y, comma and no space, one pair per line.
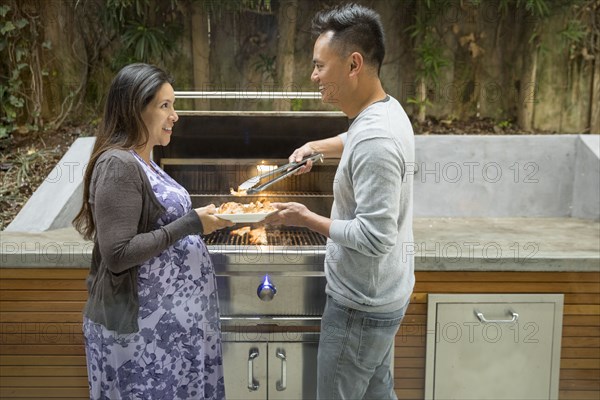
355,28
122,126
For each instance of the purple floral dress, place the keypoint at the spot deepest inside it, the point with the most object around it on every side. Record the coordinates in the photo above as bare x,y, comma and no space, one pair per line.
176,354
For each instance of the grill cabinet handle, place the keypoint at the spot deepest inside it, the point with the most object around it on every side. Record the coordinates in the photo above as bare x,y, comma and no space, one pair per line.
282,384
252,384
481,317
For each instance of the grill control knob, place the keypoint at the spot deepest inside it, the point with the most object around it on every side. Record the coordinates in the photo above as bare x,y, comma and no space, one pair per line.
266,290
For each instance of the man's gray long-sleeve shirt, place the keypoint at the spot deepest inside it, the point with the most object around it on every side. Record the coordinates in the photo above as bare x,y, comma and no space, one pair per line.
367,264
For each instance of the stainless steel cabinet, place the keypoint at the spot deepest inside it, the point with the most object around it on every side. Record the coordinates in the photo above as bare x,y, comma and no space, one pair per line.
270,370
493,346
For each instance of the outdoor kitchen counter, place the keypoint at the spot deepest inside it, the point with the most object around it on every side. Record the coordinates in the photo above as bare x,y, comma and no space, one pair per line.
441,244
42,294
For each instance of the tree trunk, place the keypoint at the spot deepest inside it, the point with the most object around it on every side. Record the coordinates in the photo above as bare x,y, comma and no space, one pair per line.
421,89
595,103
528,82
200,53
421,100
286,18
527,91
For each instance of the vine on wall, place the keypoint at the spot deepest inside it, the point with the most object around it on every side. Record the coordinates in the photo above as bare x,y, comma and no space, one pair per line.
429,52
22,71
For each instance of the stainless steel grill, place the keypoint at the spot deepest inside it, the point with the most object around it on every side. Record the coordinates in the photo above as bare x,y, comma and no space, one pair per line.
272,296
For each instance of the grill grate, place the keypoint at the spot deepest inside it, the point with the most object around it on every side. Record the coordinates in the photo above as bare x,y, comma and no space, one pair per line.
266,195
275,237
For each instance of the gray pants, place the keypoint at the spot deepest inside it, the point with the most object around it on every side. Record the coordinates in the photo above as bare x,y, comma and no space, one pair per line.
355,353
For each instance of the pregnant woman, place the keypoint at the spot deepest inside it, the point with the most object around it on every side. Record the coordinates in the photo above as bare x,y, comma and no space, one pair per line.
151,321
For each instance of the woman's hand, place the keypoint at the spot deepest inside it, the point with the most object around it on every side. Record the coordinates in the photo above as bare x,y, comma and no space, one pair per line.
210,223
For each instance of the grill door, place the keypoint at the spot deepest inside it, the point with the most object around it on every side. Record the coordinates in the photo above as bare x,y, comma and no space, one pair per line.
496,346
293,370
245,368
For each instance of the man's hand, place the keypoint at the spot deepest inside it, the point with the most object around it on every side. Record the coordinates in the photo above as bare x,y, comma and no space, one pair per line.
330,148
296,214
299,154
290,214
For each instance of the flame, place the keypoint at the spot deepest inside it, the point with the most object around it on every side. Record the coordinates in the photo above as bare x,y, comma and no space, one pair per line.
266,281
264,168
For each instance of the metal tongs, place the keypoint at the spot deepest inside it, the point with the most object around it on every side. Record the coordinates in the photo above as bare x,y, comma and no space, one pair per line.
290,169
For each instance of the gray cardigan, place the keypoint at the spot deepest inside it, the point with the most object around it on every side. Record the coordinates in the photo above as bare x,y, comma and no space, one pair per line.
126,212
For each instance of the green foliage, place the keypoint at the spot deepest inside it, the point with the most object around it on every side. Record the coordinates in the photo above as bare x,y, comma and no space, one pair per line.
419,103
582,30
435,7
23,162
296,104
573,36
24,70
428,48
12,69
217,8
503,6
431,58
148,30
122,8
266,65
148,43
575,31
537,8
504,124
428,44
419,27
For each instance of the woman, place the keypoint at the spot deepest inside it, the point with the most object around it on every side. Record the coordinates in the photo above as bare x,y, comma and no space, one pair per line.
151,322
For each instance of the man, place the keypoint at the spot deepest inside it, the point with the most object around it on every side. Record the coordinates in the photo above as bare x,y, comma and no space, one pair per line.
369,277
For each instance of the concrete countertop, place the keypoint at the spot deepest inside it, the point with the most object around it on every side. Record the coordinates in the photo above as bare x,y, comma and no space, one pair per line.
441,244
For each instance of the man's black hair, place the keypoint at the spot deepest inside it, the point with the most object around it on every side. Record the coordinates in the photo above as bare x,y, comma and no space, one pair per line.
355,28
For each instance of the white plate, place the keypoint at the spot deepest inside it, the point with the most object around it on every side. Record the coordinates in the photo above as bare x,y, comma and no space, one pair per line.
245,218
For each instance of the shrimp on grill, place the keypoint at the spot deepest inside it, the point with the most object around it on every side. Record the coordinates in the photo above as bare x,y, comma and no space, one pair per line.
257,236
255,207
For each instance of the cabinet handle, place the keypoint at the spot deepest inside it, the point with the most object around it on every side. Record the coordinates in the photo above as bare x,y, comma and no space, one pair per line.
515,318
282,384
252,384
